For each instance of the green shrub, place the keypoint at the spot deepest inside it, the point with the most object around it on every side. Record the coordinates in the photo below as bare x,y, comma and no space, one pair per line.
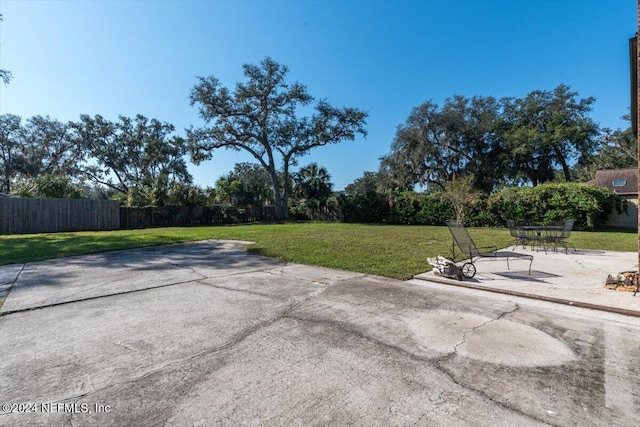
299,212
589,206
434,210
403,208
226,214
365,208
396,208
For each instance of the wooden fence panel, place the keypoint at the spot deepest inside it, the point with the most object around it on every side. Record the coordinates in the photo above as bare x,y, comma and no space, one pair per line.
325,213
167,216
25,215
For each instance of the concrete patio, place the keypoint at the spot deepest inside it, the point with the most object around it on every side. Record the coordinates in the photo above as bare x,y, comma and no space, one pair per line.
576,278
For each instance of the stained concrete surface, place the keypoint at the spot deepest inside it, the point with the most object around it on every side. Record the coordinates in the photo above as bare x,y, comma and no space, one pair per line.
577,276
207,334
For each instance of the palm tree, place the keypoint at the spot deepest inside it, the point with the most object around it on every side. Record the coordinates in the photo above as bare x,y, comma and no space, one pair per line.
312,183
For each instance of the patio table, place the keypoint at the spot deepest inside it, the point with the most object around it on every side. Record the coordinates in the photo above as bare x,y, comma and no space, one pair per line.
540,234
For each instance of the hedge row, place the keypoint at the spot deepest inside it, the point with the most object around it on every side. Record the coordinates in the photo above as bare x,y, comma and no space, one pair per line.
589,206
398,208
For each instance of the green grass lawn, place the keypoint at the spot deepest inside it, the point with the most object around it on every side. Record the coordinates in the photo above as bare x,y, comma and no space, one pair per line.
386,250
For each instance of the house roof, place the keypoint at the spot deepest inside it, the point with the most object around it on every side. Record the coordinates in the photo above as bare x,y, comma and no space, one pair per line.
621,181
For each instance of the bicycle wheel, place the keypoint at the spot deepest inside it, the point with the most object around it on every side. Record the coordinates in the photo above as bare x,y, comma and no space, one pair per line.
468,270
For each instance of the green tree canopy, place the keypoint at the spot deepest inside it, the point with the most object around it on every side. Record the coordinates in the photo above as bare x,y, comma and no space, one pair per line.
435,144
248,184
618,150
42,146
547,129
497,141
368,182
11,153
460,193
49,149
49,186
131,152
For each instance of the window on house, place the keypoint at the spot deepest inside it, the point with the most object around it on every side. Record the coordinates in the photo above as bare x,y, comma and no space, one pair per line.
619,182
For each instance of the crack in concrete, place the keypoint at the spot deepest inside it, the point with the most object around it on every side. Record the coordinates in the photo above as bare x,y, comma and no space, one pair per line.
13,283
165,257
286,313
274,271
435,363
185,267
55,304
266,269
419,419
98,286
474,329
579,262
240,337
279,271
245,291
131,291
167,261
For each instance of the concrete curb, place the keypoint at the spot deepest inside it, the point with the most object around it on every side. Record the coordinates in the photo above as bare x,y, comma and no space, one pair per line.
562,301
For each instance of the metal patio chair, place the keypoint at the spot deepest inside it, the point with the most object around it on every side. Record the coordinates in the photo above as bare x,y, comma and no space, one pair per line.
560,237
468,248
519,236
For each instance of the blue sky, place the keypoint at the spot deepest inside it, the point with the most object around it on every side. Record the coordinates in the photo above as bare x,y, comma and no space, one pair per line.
385,57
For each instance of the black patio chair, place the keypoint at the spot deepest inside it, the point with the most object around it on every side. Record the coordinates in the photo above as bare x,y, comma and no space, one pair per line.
519,236
560,237
468,248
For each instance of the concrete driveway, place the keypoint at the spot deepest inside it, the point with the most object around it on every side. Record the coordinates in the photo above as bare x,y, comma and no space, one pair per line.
207,334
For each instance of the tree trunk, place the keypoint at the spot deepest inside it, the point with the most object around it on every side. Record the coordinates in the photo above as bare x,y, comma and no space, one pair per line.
563,162
277,199
530,172
285,188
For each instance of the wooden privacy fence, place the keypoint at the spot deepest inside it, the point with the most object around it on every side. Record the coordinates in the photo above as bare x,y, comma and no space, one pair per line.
25,215
325,213
166,216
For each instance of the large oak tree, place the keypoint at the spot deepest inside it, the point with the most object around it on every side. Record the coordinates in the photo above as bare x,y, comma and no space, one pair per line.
261,117
48,149
546,129
42,146
131,152
436,144
498,141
